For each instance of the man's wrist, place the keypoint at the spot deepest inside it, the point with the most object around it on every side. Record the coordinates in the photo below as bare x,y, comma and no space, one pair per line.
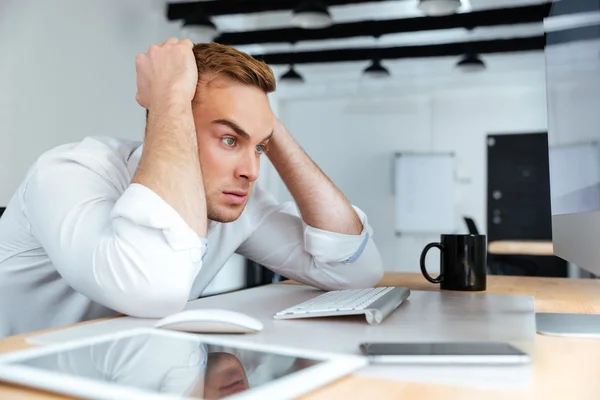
280,140
171,105
175,114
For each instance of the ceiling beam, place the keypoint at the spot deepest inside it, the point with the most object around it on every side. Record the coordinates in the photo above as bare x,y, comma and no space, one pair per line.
372,28
422,51
181,10
230,7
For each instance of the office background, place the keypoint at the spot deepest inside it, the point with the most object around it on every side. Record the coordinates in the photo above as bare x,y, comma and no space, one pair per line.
71,74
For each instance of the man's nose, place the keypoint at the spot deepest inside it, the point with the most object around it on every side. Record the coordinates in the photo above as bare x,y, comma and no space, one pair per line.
249,166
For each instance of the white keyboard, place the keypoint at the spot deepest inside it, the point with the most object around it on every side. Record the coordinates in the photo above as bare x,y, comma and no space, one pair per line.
375,303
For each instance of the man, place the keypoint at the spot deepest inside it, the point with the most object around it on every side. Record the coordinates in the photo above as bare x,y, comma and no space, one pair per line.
108,226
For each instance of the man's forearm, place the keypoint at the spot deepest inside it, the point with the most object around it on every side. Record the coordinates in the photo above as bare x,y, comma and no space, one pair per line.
169,165
322,205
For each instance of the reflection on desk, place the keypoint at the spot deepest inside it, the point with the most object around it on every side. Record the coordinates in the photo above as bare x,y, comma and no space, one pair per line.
182,366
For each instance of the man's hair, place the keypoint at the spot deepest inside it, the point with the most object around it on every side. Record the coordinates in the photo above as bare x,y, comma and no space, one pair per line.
220,60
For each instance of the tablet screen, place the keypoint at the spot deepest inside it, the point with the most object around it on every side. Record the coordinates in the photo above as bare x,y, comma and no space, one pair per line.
180,365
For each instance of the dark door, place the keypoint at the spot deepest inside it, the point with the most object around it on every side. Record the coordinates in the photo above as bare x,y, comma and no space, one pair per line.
518,194
518,199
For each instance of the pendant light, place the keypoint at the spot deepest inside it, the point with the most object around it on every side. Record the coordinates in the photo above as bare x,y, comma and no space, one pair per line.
311,15
376,71
471,62
436,8
291,77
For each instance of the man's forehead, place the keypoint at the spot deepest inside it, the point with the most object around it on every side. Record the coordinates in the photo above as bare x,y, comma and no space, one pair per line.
225,87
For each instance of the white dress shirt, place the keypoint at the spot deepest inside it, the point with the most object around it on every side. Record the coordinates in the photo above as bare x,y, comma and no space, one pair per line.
78,241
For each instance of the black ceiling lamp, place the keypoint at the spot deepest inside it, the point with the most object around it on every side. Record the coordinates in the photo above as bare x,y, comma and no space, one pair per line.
199,28
376,71
291,77
470,62
311,15
436,8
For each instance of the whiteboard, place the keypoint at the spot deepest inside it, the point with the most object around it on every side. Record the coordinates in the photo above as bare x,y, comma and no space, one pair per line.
574,177
424,193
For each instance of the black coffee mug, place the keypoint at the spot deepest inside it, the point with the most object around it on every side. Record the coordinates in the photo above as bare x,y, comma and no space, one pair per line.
463,260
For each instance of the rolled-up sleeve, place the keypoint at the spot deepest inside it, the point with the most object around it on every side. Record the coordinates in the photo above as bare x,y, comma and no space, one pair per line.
284,243
336,247
123,247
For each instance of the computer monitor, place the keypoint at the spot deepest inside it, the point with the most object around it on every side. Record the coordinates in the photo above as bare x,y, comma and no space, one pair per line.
573,92
573,98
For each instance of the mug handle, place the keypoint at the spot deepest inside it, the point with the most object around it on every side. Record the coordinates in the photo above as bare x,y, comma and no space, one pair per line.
424,269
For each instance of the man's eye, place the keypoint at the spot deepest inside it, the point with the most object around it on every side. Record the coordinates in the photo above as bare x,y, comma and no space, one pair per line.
260,148
228,141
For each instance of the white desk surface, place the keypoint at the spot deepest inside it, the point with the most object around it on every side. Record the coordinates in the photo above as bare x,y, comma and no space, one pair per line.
425,316
564,368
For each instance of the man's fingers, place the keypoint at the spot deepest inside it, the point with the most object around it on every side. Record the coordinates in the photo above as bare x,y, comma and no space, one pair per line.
187,42
169,40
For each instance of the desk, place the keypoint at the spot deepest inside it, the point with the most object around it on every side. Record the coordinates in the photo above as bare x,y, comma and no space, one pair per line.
521,247
530,248
564,368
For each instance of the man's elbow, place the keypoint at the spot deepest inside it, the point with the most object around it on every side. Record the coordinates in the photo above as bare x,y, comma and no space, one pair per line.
367,270
151,301
373,275
139,283
363,278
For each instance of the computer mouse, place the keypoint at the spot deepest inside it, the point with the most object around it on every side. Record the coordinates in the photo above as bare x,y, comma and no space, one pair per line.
210,321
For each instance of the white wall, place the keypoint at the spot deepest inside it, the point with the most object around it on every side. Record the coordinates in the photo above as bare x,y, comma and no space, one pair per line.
67,72
353,134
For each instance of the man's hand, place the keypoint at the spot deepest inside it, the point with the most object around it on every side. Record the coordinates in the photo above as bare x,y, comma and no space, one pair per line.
321,204
166,74
167,77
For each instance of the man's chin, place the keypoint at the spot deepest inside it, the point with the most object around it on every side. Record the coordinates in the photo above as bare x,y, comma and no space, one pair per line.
224,220
225,214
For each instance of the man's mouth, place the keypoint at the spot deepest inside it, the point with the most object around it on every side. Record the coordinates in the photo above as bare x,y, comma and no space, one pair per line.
236,196
242,193
233,387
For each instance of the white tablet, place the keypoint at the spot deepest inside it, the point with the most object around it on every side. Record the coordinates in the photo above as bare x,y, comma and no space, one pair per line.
160,364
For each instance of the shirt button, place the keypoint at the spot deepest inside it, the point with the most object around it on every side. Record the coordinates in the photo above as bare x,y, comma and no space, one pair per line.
196,254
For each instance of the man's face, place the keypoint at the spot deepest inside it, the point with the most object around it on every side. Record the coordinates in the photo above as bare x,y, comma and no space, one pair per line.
233,122
224,376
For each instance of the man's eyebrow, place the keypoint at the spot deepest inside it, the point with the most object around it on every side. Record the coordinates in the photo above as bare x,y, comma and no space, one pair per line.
268,137
238,130
233,127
